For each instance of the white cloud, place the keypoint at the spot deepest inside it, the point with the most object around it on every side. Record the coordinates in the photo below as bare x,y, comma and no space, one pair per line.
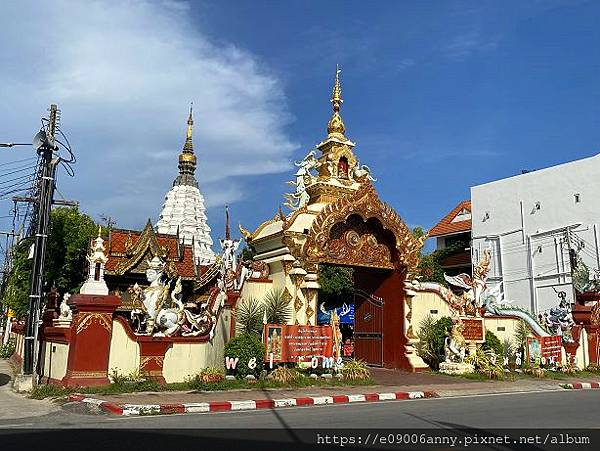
123,74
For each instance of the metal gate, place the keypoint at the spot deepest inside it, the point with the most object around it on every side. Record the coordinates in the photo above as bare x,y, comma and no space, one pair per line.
368,328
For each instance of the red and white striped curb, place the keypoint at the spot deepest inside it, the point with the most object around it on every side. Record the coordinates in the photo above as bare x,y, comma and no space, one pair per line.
222,406
582,385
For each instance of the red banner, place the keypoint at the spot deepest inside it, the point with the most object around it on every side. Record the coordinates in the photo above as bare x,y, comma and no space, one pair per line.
550,348
290,342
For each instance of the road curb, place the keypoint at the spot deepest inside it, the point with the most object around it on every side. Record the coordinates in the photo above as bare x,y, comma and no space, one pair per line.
581,385
224,406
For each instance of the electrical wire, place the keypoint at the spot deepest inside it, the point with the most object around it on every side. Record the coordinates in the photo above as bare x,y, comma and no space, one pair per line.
16,170
9,163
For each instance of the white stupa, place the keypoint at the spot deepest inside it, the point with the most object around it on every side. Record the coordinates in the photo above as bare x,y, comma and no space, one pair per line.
183,212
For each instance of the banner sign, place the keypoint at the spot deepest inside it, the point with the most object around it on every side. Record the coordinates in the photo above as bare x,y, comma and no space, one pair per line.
545,349
473,330
287,343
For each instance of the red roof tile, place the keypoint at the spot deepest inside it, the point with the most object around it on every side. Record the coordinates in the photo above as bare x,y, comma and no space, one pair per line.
184,263
447,227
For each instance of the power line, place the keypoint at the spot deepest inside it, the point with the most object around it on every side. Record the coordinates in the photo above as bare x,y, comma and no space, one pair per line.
10,163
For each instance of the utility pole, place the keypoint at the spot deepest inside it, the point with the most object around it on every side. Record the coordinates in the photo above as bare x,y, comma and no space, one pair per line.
572,264
43,207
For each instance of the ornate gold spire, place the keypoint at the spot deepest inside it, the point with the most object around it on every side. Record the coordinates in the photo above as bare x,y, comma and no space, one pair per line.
187,159
336,124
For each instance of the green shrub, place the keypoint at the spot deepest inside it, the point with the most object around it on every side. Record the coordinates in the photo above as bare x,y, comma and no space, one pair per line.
355,370
118,378
245,347
285,375
432,335
8,349
492,343
486,363
211,375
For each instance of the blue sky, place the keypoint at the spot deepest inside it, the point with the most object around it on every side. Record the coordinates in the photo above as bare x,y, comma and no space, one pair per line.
439,95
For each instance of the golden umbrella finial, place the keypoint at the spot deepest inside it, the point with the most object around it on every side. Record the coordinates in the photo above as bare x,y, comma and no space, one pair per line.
336,96
190,121
336,124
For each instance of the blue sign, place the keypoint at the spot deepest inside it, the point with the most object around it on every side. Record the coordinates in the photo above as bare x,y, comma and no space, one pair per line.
345,312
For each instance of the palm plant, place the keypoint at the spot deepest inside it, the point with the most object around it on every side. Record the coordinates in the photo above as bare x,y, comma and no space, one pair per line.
508,347
277,307
249,318
521,334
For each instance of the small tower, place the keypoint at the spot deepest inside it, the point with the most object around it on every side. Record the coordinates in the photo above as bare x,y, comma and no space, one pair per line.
183,212
95,283
338,167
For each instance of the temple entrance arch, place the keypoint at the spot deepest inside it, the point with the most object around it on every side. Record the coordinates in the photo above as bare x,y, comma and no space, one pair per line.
342,221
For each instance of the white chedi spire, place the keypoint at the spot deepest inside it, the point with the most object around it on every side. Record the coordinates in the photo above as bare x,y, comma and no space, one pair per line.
184,212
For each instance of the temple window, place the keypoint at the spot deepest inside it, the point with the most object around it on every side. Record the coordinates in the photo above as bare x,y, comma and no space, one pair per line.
97,272
343,167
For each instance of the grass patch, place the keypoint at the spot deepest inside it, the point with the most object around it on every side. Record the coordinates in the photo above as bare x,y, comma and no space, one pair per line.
475,376
513,376
53,391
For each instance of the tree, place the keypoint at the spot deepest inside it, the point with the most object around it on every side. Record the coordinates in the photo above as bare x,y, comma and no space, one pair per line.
15,288
69,236
248,253
337,284
430,266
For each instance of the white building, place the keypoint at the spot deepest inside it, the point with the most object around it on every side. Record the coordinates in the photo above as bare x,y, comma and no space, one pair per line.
535,223
183,212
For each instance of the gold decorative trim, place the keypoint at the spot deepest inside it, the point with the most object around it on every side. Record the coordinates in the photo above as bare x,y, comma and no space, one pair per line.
158,359
595,314
287,266
365,203
86,374
260,228
289,221
86,319
298,304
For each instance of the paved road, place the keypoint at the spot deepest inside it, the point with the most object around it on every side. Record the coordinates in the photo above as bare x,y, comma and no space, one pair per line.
561,409
557,411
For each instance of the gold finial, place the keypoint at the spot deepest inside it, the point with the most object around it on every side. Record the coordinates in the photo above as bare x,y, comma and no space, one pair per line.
190,121
99,231
336,95
336,124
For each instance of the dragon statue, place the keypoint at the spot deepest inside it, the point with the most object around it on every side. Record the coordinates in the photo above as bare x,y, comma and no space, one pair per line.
475,298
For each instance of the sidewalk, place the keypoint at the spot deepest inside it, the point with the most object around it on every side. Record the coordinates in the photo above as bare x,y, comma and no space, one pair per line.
391,385
13,405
